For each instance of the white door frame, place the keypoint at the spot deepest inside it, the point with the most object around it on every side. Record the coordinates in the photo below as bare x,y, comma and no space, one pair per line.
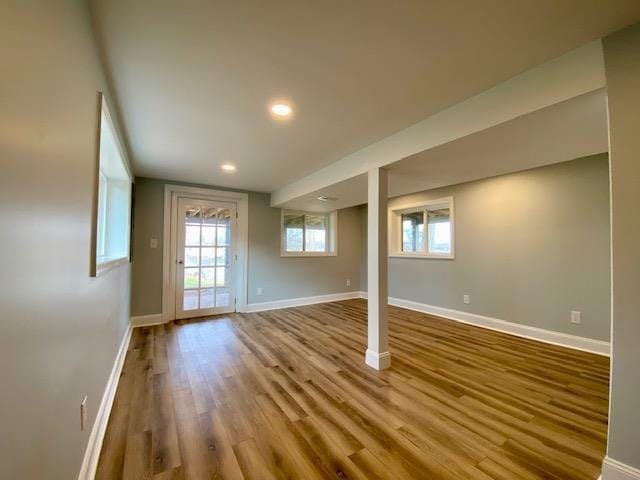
170,238
231,257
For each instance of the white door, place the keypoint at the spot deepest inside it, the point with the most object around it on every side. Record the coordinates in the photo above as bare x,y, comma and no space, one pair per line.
205,258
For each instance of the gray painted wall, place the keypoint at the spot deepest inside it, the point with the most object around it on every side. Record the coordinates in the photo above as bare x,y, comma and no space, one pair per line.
530,247
59,329
280,278
146,275
622,65
294,277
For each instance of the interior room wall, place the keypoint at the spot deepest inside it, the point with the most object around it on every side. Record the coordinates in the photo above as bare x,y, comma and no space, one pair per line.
295,277
530,247
60,330
622,66
280,278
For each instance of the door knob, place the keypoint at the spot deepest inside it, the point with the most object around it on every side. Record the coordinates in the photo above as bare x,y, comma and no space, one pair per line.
180,261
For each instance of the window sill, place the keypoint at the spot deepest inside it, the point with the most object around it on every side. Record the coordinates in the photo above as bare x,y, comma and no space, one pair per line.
309,254
422,256
109,264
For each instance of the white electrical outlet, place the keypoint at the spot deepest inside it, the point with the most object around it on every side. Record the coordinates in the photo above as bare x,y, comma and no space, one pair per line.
348,282
153,243
576,317
466,299
259,291
83,413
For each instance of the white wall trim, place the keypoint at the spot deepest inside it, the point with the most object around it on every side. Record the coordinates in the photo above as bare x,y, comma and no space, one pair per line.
169,238
146,320
297,302
533,333
94,446
615,470
379,361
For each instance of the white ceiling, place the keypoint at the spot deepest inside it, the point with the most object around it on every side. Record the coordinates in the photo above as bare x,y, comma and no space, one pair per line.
194,78
565,131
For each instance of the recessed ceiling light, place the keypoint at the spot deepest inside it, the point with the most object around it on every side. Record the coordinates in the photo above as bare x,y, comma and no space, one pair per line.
324,198
227,167
281,109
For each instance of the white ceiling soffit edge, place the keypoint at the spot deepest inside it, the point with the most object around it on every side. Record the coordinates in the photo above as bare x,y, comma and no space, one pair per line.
575,73
564,131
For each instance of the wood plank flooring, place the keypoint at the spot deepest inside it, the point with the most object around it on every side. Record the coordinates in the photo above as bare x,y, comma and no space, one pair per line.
286,394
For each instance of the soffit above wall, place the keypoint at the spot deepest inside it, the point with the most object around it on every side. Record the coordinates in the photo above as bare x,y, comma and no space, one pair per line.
568,130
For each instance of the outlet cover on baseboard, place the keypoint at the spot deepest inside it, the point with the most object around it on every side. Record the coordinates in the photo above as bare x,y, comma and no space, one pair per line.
466,299
259,291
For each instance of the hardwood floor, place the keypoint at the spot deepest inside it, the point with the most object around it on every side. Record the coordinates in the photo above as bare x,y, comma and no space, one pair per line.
286,394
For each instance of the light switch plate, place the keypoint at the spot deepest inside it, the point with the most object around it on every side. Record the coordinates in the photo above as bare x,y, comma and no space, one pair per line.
83,413
154,243
576,317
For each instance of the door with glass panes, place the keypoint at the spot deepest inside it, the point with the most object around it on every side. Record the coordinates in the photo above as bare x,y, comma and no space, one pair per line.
205,258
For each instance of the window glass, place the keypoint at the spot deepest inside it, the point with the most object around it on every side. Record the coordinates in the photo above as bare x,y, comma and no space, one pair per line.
294,232
315,233
439,230
412,232
102,215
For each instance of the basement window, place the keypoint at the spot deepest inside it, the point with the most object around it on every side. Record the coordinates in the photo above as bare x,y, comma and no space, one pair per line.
308,234
422,230
113,220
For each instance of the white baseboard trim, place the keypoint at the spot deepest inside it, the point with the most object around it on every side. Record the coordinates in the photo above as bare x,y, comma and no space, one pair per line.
533,333
297,302
376,360
92,453
615,470
147,320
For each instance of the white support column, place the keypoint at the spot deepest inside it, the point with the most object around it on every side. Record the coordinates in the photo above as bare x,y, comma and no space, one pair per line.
377,355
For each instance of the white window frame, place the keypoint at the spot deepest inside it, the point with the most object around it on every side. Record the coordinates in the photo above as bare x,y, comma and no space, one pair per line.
395,228
331,234
99,262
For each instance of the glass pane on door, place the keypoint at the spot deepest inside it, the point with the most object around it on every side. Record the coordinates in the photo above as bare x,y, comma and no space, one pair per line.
207,298
223,236
209,227
190,300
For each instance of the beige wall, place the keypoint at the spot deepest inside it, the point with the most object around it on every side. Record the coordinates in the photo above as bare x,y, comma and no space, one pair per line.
530,247
59,329
622,65
280,278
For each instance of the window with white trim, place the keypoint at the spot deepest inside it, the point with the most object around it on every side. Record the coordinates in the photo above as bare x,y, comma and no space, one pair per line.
423,230
308,234
114,197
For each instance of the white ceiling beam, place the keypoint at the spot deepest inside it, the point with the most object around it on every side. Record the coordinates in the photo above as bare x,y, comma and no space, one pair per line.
575,73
